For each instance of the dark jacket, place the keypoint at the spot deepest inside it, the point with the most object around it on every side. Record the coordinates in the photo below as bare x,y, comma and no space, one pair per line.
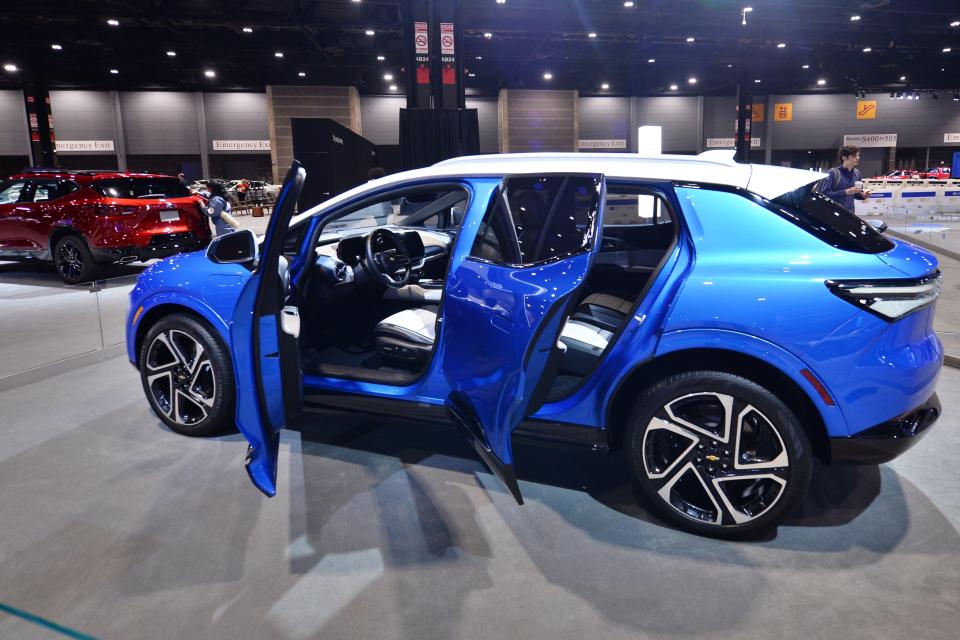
839,180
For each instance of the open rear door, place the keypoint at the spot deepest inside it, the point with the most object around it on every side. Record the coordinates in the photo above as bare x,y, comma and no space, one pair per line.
506,303
266,353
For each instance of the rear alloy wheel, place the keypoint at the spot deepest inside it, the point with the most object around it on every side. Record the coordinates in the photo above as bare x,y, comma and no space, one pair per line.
717,454
187,376
73,260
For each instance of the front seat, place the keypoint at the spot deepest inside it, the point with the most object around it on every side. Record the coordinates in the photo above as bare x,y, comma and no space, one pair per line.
407,337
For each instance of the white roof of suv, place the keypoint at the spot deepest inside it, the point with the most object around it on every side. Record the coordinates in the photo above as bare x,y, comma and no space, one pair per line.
712,167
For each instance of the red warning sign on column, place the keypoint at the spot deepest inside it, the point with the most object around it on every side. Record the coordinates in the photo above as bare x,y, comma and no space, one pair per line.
420,38
446,38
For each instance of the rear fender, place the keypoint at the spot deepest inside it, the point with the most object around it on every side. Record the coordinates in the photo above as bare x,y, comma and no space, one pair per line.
762,350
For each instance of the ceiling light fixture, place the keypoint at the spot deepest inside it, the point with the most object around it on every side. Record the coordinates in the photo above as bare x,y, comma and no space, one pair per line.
381,58
370,32
472,75
210,73
548,76
113,22
393,87
947,49
781,45
691,80
757,81
806,66
867,49
591,35
821,82
501,1
854,18
903,78
479,58
172,54
487,35
956,97
302,74
278,54
605,86
10,67
691,39
56,47
247,30
743,15
955,23
388,77
651,60
628,4
673,87
114,71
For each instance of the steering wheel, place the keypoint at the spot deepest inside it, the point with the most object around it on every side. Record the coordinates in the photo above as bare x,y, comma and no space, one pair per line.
388,258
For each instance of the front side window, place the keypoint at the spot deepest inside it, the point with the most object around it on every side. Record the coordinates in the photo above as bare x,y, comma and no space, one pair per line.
52,189
10,191
534,220
142,188
426,208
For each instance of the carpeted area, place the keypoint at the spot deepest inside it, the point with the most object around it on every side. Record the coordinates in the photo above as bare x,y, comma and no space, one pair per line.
114,527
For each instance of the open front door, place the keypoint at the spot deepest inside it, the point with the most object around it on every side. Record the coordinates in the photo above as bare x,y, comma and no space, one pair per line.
507,301
265,346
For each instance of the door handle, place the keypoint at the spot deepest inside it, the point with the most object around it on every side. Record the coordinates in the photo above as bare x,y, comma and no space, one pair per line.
290,321
501,320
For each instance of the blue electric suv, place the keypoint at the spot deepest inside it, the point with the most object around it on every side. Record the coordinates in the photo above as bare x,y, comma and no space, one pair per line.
724,324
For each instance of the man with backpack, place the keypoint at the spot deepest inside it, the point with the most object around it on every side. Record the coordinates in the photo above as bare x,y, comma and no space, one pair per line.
845,184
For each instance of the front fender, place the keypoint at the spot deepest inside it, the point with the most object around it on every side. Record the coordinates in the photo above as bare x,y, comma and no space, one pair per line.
177,300
765,351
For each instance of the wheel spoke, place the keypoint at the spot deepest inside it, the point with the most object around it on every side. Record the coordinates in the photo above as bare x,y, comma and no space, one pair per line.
758,493
183,401
686,504
725,401
779,460
174,353
654,471
163,400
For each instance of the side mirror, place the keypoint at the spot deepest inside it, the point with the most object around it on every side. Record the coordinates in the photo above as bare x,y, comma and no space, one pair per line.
879,225
238,247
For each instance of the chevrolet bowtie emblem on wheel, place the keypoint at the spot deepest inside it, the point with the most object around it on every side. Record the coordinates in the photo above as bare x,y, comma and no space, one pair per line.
713,458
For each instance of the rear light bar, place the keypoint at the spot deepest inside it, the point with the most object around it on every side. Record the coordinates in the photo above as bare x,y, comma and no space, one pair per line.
889,299
113,210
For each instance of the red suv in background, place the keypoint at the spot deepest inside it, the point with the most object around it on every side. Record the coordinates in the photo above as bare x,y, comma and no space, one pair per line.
938,173
84,219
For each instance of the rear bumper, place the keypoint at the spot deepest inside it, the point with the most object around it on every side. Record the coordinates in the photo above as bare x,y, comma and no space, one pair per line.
160,246
887,440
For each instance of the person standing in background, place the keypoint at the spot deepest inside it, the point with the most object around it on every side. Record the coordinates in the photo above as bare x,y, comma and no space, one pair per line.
218,209
844,184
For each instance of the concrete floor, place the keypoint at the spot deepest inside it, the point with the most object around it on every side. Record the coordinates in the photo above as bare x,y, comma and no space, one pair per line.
114,527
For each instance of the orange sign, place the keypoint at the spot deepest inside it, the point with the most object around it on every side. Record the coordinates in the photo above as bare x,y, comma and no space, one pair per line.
783,112
757,113
866,109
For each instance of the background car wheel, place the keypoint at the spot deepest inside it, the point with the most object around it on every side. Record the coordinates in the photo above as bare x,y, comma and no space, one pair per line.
717,454
73,260
187,375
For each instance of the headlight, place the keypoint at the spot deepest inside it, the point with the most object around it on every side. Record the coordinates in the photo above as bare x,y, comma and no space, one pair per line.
889,299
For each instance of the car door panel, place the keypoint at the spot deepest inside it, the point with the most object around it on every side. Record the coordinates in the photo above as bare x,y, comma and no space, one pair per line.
499,333
267,352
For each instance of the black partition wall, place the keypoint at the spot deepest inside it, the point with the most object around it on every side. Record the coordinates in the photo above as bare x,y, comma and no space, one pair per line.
335,158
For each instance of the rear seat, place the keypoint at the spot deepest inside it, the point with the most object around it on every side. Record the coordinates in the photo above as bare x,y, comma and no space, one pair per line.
589,330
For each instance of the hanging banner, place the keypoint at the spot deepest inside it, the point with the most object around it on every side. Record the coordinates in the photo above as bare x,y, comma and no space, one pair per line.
602,144
757,112
420,38
783,112
866,109
446,38
84,145
871,139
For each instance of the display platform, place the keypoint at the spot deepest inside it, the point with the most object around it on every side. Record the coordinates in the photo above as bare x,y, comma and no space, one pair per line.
115,527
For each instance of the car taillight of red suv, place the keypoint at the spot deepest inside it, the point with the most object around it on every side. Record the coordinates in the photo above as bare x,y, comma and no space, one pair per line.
84,220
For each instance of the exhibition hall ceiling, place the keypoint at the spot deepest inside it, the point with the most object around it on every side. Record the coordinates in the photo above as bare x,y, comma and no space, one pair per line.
660,47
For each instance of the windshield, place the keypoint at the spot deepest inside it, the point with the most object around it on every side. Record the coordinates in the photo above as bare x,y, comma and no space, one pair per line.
142,188
827,220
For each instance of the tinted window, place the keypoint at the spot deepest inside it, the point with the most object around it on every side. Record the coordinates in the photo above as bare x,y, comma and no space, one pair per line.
533,220
51,190
830,222
142,188
10,191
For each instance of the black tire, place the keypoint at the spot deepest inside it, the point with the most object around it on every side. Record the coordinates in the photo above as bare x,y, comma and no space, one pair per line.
73,260
693,477
192,392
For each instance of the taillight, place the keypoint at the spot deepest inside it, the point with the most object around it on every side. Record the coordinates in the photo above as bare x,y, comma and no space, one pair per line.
113,210
889,299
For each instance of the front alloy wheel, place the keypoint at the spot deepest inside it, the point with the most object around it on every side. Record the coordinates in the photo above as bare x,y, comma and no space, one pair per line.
187,376
717,454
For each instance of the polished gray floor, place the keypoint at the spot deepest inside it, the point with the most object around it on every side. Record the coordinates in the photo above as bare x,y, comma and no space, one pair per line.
114,527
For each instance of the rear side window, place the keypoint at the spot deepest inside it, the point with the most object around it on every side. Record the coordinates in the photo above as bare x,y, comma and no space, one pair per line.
142,188
10,191
535,220
830,222
51,190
